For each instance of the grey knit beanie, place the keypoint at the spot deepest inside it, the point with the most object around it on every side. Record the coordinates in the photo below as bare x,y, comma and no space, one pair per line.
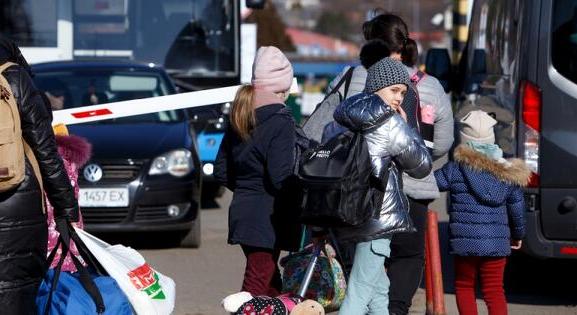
386,72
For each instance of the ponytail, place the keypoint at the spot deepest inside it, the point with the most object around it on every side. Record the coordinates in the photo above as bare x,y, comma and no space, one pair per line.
242,113
410,53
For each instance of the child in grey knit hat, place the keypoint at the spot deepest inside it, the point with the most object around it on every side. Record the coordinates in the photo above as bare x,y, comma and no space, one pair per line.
386,78
394,148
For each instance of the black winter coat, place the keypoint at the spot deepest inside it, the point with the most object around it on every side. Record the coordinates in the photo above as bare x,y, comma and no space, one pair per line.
23,230
257,171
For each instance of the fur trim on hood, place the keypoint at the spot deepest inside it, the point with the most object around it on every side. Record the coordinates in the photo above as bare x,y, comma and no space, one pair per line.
74,149
515,173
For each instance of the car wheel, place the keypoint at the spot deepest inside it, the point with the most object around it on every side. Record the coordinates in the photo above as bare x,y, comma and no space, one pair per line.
192,237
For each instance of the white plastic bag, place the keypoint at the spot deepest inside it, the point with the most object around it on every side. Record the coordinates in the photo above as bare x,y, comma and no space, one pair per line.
149,291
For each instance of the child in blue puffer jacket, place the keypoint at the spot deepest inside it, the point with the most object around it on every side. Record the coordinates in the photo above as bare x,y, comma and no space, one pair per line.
486,212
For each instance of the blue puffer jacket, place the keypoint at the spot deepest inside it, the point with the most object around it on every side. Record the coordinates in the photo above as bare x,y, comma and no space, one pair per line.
487,206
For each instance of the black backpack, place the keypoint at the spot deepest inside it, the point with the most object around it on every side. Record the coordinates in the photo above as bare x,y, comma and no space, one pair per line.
336,181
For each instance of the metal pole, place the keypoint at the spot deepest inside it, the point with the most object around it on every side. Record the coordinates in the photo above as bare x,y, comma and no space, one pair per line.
460,28
309,273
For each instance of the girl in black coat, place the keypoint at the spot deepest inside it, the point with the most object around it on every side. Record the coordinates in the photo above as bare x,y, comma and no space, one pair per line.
23,230
255,161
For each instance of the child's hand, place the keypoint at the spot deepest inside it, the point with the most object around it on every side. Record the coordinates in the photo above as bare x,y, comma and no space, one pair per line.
516,244
402,113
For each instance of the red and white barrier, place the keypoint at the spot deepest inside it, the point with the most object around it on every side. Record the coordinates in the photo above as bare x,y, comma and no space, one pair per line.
92,113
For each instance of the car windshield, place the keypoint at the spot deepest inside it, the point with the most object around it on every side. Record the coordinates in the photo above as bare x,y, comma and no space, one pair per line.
75,88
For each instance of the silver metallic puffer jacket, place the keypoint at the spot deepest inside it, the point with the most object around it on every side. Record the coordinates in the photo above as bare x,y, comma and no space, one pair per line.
393,145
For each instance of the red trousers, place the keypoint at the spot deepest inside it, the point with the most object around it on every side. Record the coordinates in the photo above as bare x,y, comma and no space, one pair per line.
490,270
262,275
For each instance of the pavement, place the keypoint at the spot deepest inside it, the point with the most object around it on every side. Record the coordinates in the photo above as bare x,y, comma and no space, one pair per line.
204,276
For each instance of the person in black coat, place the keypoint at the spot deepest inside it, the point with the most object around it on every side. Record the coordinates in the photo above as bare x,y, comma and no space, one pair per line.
23,230
255,161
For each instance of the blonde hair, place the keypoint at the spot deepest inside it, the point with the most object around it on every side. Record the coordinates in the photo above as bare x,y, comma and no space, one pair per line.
242,113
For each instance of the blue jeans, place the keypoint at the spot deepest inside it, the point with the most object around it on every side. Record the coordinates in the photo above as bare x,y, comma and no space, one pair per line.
368,287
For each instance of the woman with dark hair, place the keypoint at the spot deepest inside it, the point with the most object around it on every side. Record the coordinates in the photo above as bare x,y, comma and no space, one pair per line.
394,147
405,268
23,236
394,32
425,101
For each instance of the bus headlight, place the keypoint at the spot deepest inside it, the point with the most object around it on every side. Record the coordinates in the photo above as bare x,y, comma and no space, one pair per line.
177,163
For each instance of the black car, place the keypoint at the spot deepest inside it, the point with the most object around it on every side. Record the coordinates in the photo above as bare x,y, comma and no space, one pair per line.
145,173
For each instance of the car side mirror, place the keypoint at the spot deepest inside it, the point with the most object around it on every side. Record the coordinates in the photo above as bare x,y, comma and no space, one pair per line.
438,64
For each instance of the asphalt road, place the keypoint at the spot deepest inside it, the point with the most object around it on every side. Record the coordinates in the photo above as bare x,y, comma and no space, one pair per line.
204,276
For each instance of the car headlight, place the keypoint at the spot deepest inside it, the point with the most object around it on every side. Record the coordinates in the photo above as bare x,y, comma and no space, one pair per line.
177,163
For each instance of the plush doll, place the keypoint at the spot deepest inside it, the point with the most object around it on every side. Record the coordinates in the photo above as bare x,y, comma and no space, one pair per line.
243,303
308,307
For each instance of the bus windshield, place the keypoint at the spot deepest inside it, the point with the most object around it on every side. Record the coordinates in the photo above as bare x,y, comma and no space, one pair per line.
189,37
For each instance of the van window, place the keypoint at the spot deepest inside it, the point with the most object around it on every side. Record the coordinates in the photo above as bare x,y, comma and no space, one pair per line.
495,29
564,38
492,65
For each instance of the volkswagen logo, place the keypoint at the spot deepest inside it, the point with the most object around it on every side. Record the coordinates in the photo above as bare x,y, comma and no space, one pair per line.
92,173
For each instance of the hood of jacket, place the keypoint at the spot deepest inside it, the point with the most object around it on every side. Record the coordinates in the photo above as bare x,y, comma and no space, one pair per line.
74,149
265,112
489,179
362,112
9,52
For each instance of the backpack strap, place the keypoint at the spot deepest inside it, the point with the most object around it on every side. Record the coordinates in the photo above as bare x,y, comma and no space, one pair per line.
9,98
415,79
346,79
6,65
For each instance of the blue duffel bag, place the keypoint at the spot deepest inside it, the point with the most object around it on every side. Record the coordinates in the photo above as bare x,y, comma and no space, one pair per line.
70,297
86,292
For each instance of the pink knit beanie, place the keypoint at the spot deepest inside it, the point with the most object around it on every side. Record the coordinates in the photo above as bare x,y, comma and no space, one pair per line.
271,70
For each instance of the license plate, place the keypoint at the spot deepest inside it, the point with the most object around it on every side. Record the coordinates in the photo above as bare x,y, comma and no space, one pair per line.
103,197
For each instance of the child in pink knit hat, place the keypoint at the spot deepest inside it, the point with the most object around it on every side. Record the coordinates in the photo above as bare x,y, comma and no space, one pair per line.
271,70
256,161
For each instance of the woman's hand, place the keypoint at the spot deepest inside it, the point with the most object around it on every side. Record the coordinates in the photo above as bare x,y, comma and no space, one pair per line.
516,244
